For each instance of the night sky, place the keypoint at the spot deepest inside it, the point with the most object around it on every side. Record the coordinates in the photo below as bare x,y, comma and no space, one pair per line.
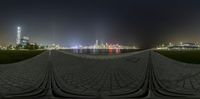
143,23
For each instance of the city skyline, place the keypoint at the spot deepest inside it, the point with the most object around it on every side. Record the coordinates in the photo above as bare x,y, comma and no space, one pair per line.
20,36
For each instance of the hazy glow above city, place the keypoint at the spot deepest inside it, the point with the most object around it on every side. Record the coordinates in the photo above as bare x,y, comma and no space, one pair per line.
126,22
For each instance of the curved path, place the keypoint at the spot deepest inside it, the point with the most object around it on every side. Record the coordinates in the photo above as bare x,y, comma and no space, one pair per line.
59,74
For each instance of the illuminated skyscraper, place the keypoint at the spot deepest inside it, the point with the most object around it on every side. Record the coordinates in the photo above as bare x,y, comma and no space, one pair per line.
18,35
97,42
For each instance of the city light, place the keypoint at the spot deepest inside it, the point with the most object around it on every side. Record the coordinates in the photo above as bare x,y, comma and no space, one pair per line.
179,46
18,35
103,46
23,42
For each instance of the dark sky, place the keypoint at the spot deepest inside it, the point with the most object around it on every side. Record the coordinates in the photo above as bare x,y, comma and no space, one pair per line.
144,23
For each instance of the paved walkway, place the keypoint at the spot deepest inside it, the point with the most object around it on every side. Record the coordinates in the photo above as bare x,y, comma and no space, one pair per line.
59,74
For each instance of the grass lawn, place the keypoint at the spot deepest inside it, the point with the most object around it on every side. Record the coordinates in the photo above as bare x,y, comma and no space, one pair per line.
192,56
12,56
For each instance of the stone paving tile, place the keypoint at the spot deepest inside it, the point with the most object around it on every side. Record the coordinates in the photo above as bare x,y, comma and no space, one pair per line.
60,74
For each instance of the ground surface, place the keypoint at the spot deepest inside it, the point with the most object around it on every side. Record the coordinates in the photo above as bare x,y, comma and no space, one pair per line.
59,75
187,56
12,56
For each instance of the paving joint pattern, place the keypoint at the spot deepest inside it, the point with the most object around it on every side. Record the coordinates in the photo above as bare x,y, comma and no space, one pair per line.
58,74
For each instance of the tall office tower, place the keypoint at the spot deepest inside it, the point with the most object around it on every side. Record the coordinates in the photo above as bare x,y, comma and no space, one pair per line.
18,35
97,42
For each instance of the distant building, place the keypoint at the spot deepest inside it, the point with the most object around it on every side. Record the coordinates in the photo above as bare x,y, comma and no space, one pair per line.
181,45
184,46
97,45
54,46
24,41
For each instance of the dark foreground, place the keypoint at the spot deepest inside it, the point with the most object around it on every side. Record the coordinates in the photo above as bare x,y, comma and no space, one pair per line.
12,56
59,74
187,56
